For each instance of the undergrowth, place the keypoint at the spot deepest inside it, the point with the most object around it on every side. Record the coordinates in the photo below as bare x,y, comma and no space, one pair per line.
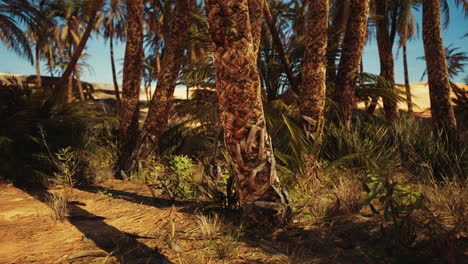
27,120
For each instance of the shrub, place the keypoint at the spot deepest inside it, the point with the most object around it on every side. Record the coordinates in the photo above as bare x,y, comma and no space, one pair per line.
176,178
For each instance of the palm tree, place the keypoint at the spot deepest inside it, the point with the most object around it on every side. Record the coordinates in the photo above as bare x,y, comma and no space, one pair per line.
91,12
40,34
68,32
114,28
406,31
241,112
353,45
385,45
13,12
129,109
314,67
443,116
161,103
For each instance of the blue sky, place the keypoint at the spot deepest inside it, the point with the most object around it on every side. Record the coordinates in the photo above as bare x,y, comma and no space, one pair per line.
98,51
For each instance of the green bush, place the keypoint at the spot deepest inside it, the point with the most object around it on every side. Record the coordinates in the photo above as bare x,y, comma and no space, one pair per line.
176,179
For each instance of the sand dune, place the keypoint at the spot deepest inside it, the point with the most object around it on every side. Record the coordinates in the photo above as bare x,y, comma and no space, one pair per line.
420,98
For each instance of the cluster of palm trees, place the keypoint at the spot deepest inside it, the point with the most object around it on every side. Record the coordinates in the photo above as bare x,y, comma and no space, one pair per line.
293,49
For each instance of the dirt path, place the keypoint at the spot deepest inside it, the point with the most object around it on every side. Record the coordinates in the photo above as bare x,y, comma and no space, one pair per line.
130,228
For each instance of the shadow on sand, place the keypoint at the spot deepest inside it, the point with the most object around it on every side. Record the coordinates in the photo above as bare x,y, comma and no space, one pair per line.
125,247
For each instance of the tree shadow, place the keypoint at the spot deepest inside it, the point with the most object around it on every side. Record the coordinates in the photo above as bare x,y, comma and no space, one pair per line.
154,201
354,241
122,245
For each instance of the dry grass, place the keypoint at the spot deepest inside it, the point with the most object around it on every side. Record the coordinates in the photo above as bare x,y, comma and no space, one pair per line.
224,247
349,192
317,201
59,206
450,200
209,226
324,195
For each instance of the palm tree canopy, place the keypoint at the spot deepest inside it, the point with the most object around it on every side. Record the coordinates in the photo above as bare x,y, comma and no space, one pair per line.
14,14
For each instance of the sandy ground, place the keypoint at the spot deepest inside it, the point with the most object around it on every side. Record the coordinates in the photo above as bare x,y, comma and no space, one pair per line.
121,222
134,227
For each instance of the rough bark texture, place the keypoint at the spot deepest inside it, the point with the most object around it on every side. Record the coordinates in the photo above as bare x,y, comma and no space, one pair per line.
129,105
437,71
314,68
407,84
241,112
385,44
161,103
279,46
114,74
353,44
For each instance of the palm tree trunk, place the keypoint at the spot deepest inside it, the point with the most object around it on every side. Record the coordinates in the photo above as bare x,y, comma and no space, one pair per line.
407,84
314,68
38,66
385,45
129,109
70,89
114,74
241,112
353,45
79,85
279,46
437,72
161,103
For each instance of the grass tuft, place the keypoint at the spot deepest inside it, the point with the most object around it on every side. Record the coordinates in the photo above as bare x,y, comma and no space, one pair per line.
59,206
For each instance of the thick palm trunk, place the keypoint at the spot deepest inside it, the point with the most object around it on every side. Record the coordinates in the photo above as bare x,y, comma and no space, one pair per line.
161,103
114,74
129,109
314,68
279,46
437,71
353,45
38,66
241,112
385,44
407,84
